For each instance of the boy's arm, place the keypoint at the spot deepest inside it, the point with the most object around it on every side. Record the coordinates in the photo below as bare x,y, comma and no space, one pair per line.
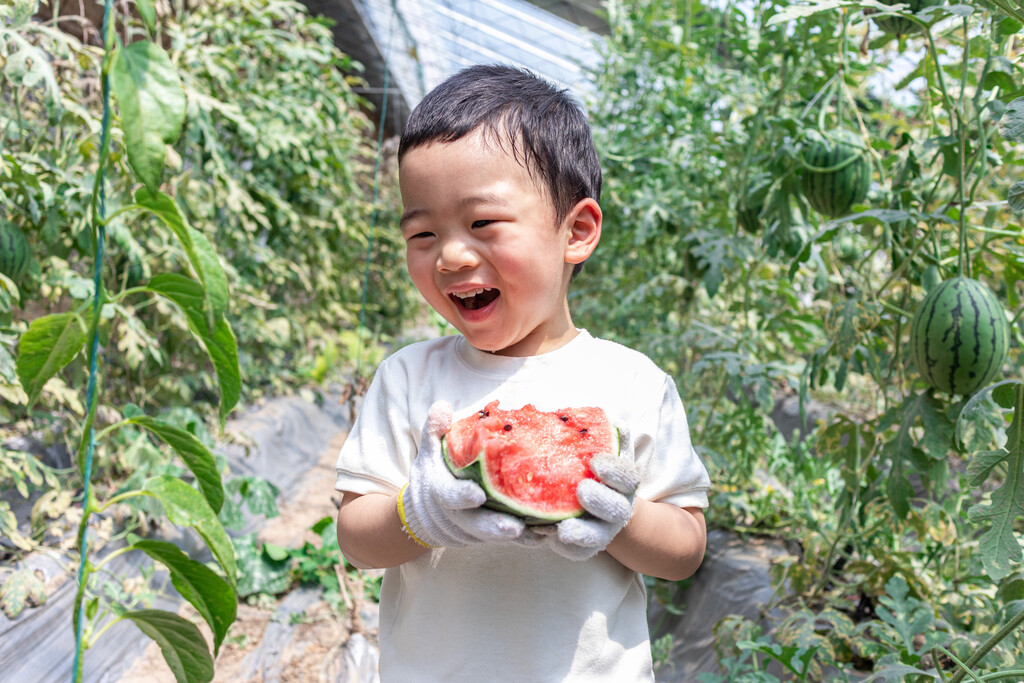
370,532
661,540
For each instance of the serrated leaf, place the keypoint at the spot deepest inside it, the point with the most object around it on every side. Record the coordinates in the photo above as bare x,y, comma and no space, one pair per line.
186,507
999,545
1011,125
181,644
195,455
151,101
909,617
21,589
49,343
982,463
210,594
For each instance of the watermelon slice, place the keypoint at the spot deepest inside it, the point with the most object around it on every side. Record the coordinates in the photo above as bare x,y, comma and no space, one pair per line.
527,461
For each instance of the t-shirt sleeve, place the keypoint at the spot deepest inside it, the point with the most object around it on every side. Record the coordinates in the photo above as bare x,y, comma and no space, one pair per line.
672,471
377,451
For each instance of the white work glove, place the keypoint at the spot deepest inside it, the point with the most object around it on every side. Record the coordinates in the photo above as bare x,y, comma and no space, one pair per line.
440,510
608,505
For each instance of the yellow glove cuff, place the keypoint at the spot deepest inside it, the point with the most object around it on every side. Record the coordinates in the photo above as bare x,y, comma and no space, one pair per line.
405,523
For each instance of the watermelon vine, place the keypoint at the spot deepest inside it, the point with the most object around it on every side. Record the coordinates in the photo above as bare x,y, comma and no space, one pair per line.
840,282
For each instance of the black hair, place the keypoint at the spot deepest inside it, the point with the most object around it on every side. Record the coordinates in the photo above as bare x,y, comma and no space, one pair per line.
544,127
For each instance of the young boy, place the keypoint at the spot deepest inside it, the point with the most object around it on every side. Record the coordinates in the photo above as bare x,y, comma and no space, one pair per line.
500,184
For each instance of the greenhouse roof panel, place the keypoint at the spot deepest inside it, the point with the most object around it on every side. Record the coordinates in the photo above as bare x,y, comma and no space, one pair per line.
421,42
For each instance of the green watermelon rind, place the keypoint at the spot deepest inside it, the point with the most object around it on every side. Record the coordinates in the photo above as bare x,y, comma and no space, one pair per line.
901,26
498,501
959,337
833,193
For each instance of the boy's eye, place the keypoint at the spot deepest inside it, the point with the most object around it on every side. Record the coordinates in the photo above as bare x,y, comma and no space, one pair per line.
482,223
421,235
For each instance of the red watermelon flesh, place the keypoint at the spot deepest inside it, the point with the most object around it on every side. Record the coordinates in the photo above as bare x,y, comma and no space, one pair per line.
528,461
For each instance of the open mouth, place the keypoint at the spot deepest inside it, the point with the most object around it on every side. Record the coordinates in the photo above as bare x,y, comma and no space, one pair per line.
475,298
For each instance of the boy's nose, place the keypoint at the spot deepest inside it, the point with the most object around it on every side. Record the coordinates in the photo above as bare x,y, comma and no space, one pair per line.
455,255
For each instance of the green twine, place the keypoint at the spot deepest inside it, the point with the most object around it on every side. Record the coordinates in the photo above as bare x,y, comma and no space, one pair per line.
97,304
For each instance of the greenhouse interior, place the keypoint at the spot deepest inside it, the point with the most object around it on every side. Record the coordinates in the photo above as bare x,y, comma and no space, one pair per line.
302,307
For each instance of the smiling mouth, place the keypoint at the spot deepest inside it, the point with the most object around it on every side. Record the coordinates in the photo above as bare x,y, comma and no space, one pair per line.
476,298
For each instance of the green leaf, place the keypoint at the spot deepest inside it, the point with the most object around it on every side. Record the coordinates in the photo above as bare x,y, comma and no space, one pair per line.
186,507
911,618
22,588
50,343
196,456
147,12
1004,394
258,494
1011,125
219,341
894,673
151,101
181,644
276,552
982,463
1016,197
999,79
198,249
257,572
904,451
213,597
999,545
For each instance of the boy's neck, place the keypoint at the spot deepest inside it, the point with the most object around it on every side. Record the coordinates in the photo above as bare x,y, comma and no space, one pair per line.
531,347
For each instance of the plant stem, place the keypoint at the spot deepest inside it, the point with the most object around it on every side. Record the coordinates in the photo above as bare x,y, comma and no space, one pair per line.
98,206
103,630
963,265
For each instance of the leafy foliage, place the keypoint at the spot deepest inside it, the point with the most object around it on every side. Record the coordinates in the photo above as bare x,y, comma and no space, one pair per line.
699,108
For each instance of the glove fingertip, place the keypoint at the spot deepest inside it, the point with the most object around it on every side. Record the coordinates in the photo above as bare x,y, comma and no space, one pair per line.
439,418
462,494
616,472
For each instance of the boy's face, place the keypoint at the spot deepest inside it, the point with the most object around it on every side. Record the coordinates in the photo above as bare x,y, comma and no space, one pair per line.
483,248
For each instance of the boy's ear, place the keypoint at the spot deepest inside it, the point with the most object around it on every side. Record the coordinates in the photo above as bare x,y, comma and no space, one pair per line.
584,221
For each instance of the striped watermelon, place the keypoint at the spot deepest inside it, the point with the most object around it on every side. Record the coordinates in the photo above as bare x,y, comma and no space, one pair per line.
901,26
836,172
529,462
15,254
959,336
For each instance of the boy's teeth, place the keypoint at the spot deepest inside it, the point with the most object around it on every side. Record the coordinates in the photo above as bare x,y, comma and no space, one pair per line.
475,298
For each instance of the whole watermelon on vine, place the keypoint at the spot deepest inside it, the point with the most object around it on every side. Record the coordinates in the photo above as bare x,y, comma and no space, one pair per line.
959,336
835,171
901,26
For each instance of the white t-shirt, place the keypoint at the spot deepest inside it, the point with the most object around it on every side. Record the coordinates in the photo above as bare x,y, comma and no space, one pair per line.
503,612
